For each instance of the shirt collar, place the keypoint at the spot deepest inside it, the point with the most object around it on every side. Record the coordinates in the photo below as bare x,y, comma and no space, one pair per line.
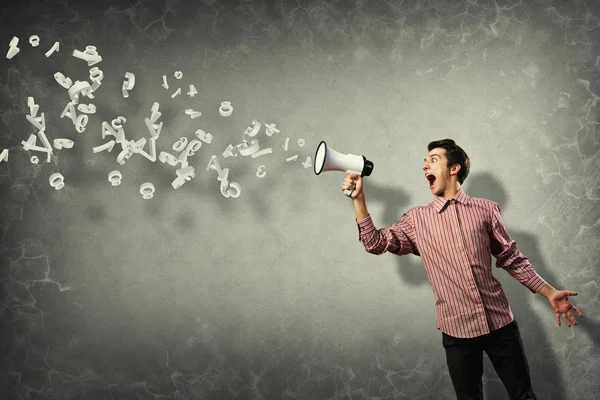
440,202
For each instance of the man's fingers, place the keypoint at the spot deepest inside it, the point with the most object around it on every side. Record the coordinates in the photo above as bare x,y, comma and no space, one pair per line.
558,318
571,293
566,320
577,311
572,318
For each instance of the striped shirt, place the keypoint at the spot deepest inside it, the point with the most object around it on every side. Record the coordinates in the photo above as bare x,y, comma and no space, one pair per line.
455,240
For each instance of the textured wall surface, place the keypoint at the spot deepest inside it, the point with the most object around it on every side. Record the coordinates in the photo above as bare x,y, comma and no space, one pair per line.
194,295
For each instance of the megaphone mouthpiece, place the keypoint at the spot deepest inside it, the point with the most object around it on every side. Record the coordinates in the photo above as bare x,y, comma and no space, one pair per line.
328,159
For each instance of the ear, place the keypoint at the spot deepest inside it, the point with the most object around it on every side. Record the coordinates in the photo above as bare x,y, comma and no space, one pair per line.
454,170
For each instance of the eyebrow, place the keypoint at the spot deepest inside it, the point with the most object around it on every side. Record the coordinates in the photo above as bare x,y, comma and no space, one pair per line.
432,155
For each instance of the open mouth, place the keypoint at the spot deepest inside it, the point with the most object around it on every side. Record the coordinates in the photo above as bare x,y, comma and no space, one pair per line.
431,179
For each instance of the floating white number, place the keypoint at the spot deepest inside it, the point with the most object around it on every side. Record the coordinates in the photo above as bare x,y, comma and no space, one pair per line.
307,163
63,143
168,158
38,122
177,92
80,87
87,108
57,181
183,175
147,190
155,114
222,177
12,48
34,40
226,109
62,80
33,108
253,129
192,113
115,177
180,144
128,84
205,137
262,152
153,128
246,150
193,147
261,173
90,55
270,129
125,154
106,146
54,48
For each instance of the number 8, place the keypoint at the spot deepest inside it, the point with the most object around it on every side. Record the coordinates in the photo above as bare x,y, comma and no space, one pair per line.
57,181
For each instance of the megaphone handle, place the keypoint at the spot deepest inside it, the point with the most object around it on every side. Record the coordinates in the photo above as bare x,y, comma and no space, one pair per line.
348,192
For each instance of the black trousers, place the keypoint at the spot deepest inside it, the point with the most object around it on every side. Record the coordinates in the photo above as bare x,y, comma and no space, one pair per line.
504,348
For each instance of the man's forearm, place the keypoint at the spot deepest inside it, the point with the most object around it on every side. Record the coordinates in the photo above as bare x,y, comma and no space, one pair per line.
547,290
360,207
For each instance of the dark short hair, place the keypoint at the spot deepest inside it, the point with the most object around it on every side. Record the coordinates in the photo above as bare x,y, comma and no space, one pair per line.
455,155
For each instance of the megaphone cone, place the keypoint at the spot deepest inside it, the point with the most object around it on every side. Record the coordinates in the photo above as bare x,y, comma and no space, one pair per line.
328,159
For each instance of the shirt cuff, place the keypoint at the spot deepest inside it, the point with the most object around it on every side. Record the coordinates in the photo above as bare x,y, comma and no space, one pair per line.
535,283
365,226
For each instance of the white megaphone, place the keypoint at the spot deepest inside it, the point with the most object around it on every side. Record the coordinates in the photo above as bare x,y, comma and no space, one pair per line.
327,159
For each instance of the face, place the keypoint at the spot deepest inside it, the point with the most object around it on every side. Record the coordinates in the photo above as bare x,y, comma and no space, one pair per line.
437,173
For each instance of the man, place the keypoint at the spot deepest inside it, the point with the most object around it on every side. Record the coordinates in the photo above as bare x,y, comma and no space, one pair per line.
455,236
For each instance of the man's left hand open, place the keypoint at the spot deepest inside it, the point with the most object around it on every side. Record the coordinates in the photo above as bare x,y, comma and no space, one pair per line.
559,300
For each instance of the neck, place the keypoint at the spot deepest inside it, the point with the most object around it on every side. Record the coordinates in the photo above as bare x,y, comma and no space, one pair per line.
451,190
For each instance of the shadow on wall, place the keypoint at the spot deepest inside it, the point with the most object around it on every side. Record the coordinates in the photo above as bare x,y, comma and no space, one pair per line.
546,375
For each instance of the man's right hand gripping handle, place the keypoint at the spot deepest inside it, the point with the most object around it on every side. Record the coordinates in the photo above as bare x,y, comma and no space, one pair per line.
358,198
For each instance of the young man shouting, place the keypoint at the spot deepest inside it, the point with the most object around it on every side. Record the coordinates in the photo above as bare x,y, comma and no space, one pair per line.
455,235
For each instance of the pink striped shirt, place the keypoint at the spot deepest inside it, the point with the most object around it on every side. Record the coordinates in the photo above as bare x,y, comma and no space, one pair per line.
455,240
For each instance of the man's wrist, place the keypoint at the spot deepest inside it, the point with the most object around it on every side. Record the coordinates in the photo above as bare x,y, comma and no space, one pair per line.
547,290
360,207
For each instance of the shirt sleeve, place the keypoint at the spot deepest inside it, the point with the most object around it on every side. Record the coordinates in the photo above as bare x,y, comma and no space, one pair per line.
398,238
509,257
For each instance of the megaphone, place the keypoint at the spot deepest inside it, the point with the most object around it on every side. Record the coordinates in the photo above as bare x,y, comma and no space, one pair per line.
327,159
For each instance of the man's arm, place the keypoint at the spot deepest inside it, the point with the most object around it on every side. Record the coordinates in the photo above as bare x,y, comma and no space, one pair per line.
398,238
360,207
547,291
509,258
